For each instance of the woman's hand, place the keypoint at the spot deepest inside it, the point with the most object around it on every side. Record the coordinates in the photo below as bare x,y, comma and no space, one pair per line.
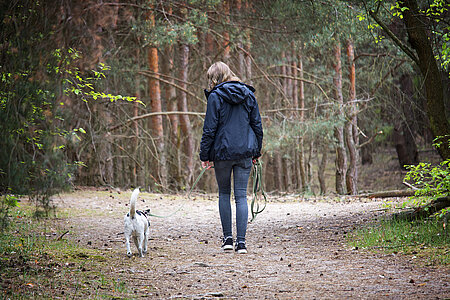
206,164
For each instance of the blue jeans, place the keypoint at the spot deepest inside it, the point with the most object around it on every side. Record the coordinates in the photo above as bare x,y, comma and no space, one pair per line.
241,172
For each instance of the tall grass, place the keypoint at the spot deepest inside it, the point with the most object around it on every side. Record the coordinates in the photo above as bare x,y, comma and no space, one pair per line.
428,239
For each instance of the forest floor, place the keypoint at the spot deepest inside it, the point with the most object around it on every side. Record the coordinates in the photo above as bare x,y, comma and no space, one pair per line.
297,250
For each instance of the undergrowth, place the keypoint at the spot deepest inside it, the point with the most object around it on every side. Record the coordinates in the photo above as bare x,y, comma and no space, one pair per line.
427,239
36,262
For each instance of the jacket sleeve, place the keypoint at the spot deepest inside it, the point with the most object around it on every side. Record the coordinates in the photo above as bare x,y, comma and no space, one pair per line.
256,125
209,126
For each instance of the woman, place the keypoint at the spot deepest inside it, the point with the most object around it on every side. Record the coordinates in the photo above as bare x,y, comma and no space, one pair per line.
232,137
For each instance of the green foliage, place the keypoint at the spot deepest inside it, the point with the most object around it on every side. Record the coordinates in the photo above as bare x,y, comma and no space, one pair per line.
423,238
7,202
434,12
75,84
34,160
287,132
34,79
167,31
433,181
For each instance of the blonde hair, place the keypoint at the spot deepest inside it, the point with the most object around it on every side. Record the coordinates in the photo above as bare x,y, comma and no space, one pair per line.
219,72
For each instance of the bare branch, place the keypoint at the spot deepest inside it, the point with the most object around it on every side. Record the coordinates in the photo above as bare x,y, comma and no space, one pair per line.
370,140
377,55
410,185
152,114
154,76
299,79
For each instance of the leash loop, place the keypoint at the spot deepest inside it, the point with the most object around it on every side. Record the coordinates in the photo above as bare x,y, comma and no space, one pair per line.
257,189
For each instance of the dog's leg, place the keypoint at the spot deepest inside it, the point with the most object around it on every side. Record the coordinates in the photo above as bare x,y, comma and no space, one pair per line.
127,243
141,239
146,239
136,242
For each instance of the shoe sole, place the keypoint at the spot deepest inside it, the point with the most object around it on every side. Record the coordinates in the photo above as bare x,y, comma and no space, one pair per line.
242,251
227,247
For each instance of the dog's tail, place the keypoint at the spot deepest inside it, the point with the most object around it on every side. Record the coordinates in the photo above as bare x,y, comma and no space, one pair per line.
133,199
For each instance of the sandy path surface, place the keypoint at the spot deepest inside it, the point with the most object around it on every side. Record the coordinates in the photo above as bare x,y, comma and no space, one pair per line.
297,250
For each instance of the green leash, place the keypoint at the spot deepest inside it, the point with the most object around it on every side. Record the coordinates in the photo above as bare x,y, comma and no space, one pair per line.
257,188
189,195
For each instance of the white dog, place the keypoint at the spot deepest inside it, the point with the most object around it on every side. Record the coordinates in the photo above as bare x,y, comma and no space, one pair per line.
137,226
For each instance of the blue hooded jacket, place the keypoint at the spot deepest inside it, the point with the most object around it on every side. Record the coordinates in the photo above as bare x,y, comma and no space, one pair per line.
232,129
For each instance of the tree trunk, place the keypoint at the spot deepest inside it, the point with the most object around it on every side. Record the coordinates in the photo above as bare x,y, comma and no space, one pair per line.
287,172
301,105
341,158
321,170
289,77
351,175
421,43
241,55
157,121
172,105
424,211
136,169
248,44
279,171
403,135
351,126
308,163
295,89
248,60
209,50
406,150
184,119
284,80
226,34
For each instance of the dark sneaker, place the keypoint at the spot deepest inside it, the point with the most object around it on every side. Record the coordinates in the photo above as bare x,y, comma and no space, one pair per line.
227,244
240,248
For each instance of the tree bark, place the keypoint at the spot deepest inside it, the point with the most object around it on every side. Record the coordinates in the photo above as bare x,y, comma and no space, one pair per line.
407,126
420,42
226,34
424,211
248,45
389,194
279,171
157,121
295,84
287,172
248,59
341,158
185,123
295,89
351,126
241,54
172,106
137,172
300,104
284,76
321,170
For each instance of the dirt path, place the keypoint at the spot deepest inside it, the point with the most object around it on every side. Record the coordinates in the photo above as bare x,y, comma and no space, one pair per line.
296,250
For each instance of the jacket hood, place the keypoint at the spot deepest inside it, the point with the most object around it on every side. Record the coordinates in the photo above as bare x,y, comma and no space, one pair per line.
233,92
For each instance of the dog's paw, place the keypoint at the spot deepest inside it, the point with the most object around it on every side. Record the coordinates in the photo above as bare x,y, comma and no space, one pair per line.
129,254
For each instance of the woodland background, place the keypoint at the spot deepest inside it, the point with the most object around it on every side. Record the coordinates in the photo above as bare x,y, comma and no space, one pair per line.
110,93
